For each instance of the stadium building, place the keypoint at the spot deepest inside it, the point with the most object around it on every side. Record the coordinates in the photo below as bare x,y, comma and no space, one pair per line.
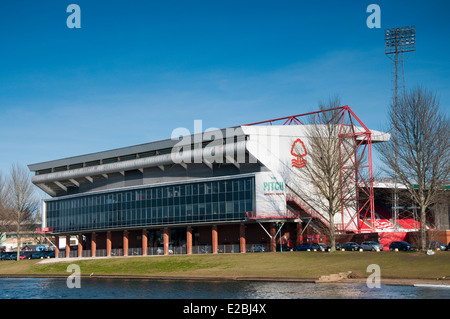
229,190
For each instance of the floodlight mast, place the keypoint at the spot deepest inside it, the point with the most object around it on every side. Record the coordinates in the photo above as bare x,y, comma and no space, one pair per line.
397,42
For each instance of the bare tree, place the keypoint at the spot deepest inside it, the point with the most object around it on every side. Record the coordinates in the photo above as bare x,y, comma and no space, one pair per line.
325,180
419,149
5,212
20,202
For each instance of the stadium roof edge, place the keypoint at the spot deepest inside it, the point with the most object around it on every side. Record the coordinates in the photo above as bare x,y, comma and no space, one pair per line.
117,152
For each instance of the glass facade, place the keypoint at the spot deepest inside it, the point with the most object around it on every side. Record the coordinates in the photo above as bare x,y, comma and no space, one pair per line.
196,202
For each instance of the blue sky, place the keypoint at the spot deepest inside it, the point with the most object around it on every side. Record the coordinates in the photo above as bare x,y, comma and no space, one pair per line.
136,70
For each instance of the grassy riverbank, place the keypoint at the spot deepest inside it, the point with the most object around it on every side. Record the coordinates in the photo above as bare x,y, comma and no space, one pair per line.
300,265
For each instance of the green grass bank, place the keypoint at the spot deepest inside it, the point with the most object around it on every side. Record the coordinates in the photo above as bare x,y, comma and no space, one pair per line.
300,265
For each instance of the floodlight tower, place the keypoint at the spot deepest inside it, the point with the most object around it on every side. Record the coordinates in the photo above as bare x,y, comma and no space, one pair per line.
397,42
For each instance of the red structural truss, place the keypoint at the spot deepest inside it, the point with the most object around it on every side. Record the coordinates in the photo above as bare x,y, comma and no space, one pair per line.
356,147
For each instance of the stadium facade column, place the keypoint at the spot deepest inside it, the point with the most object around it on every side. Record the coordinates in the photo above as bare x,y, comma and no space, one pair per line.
56,246
273,239
166,240
144,242
242,238
125,242
67,246
93,244
80,245
299,239
108,244
215,239
309,235
189,240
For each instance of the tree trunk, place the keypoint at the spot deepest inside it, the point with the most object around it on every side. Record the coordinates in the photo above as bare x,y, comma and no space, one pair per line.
18,244
18,235
332,233
423,233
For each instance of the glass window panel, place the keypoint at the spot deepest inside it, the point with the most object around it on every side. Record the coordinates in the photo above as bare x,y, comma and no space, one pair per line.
215,200
235,185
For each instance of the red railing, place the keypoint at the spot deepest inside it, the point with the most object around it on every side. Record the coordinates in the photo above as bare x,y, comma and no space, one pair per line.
44,230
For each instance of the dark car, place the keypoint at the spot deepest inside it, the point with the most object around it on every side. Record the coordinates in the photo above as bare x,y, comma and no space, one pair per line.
434,244
351,246
49,254
401,245
283,248
37,255
311,247
13,256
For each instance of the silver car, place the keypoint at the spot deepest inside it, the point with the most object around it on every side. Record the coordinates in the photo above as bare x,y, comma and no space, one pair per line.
371,246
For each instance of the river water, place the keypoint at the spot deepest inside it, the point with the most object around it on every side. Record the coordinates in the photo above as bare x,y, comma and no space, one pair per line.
100,288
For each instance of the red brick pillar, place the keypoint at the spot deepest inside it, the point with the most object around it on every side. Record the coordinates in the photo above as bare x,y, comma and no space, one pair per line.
166,241
299,238
189,240
67,246
215,238
125,243
93,244
273,240
144,242
56,246
108,244
309,235
80,245
242,240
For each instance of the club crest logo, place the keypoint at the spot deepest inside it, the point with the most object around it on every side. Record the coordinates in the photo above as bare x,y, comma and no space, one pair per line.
298,150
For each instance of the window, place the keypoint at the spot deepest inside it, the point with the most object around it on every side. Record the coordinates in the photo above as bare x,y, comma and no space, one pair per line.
184,203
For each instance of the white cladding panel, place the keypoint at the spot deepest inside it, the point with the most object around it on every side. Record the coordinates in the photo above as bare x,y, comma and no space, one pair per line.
284,151
270,192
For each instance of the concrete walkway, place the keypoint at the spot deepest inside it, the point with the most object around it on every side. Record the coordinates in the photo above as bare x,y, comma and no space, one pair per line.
75,259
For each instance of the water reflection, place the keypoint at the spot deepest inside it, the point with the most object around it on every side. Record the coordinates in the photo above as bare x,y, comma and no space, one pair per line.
94,288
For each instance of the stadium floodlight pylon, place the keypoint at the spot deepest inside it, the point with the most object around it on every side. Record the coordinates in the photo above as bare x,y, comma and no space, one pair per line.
356,147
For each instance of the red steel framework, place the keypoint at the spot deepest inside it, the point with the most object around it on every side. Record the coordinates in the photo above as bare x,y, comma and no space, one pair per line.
358,165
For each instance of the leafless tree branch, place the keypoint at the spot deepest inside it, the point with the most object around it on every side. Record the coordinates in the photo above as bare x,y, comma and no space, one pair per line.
419,149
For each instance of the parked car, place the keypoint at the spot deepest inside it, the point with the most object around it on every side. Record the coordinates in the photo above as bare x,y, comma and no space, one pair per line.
49,254
37,255
434,244
401,245
257,249
283,248
338,246
316,246
371,246
13,256
351,246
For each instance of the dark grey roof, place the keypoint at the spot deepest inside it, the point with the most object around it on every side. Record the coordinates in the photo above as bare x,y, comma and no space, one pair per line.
123,151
